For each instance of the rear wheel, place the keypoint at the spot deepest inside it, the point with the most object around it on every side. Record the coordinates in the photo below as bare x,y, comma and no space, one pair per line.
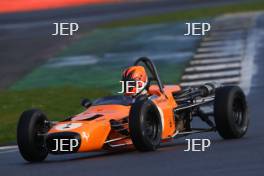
230,112
145,125
29,139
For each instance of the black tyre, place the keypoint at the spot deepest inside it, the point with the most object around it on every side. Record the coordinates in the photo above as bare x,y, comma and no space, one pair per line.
231,112
30,143
145,125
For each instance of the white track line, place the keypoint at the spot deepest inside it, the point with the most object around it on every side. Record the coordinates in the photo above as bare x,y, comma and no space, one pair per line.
222,81
213,67
8,151
211,75
223,48
227,29
218,58
224,43
220,38
9,147
219,54
214,61
225,39
226,33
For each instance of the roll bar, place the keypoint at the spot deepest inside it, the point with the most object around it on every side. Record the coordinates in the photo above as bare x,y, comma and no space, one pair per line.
152,69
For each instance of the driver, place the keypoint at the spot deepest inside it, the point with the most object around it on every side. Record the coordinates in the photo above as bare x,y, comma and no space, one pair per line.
135,80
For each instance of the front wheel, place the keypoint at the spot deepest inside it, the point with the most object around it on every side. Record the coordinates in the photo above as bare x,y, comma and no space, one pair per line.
230,112
31,126
145,125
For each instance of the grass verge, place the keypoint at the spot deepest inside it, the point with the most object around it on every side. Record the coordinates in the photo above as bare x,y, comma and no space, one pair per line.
189,14
57,103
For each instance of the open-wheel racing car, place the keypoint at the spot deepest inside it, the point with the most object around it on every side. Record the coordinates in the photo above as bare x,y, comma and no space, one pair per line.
162,114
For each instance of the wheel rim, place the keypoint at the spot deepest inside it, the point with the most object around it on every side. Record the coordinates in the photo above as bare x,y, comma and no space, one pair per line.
39,135
151,127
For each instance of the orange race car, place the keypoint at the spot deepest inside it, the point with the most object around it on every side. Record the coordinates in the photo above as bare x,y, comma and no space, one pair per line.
147,114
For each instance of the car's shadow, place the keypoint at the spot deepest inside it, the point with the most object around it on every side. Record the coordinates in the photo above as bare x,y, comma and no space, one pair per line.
175,146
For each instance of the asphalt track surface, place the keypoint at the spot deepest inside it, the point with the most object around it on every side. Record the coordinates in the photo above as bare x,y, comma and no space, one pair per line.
243,157
26,41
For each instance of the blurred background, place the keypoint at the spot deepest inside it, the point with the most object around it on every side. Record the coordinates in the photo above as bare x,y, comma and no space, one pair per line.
53,73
